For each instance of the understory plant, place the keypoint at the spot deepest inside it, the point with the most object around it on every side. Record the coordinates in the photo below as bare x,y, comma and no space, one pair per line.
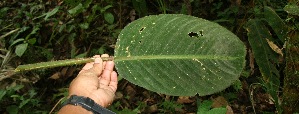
272,40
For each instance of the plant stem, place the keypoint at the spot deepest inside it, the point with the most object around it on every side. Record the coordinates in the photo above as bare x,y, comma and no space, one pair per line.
58,63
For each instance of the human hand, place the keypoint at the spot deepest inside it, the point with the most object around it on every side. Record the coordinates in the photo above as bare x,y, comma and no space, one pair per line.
96,80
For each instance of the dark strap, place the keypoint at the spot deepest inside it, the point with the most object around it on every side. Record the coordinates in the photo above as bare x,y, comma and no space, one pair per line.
87,104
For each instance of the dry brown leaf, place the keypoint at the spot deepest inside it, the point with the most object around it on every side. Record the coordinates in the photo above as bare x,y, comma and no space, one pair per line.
183,99
70,72
118,95
219,102
130,91
274,47
64,71
152,109
229,110
251,61
55,76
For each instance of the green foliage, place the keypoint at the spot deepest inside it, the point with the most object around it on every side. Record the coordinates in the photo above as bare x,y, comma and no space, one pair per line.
266,48
265,56
109,18
170,106
205,108
162,6
140,7
276,23
15,103
292,9
34,31
166,58
126,110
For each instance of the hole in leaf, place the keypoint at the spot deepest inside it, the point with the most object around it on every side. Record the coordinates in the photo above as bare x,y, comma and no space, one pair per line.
139,42
201,33
193,34
141,29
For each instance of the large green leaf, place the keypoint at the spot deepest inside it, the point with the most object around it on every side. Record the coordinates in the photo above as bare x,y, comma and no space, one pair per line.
265,57
276,23
179,55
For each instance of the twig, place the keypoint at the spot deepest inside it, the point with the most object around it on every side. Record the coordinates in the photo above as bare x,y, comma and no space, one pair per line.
56,105
6,74
251,89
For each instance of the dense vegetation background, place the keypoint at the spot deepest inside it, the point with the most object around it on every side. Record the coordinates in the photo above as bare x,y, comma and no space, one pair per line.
43,30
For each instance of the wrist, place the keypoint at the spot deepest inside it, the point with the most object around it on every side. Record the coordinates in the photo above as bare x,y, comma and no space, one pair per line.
86,103
72,109
96,99
91,96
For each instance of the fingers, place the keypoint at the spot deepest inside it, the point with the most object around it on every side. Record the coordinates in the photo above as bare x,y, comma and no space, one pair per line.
107,73
104,55
95,67
98,65
113,82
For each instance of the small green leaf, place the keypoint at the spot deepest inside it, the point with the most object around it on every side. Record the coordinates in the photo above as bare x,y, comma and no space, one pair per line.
78,9
32,92
2,93
17,41
23,29
101,50
61,28
71,28
84,25
87,3
109,18
105,8
217,111
51,13
20,49
15,88
31,41
292,9
237,85
15,96
111,27
3,11
24,102
12,109
204,107
34,31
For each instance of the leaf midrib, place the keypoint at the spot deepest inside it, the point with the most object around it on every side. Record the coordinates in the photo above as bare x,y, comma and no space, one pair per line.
162,57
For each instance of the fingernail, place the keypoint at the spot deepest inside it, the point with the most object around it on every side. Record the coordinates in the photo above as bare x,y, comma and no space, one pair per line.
97,60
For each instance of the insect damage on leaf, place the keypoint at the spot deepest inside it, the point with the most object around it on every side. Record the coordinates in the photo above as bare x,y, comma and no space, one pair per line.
195,34
127,51
141,29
